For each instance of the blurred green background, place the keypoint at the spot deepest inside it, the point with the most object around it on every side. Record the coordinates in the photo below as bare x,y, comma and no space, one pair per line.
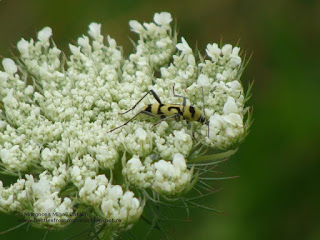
277,195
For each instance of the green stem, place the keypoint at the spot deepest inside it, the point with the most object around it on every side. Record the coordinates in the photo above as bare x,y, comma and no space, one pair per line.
106,234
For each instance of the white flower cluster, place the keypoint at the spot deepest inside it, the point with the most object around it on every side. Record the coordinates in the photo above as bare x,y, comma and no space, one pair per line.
156,42
38,200
17,151
111,202
138,174
171,179
166,178
175,142
219,79
56,114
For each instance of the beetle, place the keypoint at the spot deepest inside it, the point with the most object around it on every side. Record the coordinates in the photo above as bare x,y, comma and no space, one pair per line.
168,111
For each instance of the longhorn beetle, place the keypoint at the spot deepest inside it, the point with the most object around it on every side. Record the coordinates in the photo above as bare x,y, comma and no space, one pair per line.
168,111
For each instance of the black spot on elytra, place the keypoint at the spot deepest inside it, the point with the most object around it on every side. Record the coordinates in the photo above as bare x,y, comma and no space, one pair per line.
192,111
148,109
159,109
177,108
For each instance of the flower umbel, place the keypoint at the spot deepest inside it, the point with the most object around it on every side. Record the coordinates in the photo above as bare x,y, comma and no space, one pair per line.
56,114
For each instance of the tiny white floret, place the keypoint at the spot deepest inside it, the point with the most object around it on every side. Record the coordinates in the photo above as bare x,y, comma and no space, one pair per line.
162,18
29,90
9,66
203,80
213,51
136,26
45,34
226,49
230,106
94,30
184,46
22,46
141,134
179,161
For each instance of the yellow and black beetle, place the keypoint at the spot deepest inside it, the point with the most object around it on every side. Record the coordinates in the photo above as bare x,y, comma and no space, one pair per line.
167,111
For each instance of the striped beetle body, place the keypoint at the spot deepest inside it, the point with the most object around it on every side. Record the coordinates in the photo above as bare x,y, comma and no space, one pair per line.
189,113
167,111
